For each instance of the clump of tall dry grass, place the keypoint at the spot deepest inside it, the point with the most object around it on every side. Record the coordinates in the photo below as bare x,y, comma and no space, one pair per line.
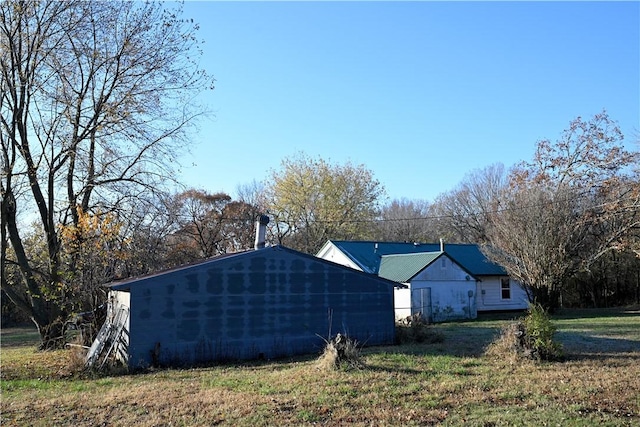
509,346
341,351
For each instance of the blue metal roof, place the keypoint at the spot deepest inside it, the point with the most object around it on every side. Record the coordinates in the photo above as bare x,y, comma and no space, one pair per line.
368,254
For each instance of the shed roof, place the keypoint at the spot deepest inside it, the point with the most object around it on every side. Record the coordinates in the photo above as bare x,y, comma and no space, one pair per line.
368,254
126,284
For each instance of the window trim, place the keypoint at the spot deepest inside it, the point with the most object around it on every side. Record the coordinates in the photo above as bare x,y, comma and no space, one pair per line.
505,287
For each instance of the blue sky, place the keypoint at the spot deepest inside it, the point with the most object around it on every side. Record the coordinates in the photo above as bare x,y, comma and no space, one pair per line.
421,93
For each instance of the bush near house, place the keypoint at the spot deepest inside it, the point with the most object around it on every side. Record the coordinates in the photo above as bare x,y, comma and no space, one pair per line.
532,337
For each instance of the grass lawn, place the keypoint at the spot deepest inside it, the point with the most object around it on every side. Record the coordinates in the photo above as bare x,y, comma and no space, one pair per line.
445,383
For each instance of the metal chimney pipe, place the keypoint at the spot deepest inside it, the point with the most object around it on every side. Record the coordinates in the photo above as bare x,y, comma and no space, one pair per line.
441,245
261,231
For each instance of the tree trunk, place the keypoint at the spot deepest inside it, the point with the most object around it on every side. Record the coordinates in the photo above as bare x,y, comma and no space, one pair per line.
547,296
52,335
638,287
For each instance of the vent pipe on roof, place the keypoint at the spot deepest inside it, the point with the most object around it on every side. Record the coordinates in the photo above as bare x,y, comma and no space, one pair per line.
261,231
441,245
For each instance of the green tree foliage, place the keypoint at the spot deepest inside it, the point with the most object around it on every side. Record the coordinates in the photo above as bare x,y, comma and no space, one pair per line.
95,100
312,200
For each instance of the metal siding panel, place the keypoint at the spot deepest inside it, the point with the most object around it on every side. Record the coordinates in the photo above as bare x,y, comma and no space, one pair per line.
215,311
215,284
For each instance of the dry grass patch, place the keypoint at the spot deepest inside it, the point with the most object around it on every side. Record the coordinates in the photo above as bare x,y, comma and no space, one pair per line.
340,351
444,383
415,329
30,363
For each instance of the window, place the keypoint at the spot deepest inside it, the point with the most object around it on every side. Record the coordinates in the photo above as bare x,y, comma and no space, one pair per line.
505,288
443,263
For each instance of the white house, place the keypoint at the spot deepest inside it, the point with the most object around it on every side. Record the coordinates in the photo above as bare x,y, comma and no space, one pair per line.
438,288
493,289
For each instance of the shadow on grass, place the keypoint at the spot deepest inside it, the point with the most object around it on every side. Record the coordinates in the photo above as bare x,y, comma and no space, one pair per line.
594,313
581,345
469,341
463,339
459,340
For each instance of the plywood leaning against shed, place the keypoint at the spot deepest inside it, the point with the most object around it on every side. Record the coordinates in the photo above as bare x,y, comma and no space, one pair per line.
263,303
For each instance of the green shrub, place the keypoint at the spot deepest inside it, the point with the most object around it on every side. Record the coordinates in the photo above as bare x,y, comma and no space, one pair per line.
531,337
539,334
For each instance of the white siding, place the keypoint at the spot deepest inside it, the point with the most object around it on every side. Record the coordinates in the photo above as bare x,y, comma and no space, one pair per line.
120,297
450,300
333,254
402,303
443,269
117,300
452,291
490,295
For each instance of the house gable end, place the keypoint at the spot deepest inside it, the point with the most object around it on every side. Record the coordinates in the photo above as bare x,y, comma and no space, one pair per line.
405,268
369,254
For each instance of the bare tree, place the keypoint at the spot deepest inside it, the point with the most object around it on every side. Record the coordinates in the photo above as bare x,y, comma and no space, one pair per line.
574,203
253,193
208,224
462,214
96,98
534,235
405,220
149,224
200,219
239,229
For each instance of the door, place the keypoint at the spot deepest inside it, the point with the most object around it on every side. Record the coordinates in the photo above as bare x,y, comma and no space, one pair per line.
421,302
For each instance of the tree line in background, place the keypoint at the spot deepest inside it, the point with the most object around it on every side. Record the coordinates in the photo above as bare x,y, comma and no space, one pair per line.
92,112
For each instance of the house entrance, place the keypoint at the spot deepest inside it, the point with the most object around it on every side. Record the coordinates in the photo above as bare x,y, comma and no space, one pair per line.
421,303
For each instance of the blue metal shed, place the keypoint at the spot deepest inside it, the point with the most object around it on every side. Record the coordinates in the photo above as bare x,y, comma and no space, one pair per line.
263,303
